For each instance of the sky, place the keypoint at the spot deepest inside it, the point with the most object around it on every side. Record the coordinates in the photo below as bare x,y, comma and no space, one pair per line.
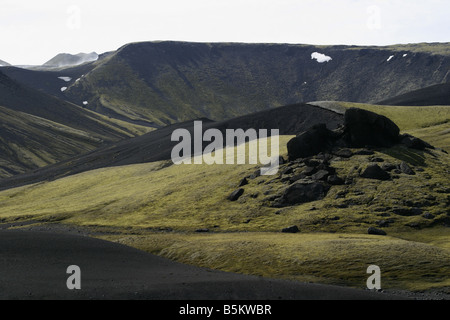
32,32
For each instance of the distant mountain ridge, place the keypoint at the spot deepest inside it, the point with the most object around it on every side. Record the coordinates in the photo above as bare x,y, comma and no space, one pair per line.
4,64
68,60
160,83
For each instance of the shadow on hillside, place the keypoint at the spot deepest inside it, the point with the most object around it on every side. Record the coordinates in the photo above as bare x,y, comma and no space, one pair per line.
411,156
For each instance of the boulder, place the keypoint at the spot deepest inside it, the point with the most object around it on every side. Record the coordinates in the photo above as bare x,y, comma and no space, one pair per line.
335,180
406,169
235,195
374,171
309,171
428,215
293,229
343,153
365,128
375,231
303,192
407,212
320,175
309,143
243,182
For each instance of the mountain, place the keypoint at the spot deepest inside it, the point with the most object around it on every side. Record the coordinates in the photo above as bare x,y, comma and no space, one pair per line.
37,129
4,64
160,83
434,95
67,60
157,145
167,82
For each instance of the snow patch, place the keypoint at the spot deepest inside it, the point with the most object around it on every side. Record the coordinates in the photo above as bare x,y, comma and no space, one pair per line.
404,56
85,103
66,79
63,89
320,57
390,58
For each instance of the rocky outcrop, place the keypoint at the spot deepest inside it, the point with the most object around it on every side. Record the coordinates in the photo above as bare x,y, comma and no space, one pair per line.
361,129
302,192
374,171
310,142
365,128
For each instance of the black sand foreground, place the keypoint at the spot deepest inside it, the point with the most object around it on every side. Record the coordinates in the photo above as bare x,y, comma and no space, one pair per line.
33,266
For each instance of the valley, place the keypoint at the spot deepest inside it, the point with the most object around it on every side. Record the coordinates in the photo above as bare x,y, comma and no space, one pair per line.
103,168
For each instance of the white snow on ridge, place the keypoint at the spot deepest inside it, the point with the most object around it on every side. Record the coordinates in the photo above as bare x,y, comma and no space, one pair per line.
63,89
390,58
66,79
320,57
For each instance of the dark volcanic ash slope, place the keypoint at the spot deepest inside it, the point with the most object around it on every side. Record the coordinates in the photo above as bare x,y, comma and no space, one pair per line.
18,97
37,129
167,82
431,96
49,81
157,145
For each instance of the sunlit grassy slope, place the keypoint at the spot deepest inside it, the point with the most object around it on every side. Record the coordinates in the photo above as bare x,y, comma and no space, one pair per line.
158,207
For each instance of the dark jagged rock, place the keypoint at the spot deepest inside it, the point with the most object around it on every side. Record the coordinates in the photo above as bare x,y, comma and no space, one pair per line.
361,129
406,169
255,174
309,143
428,215
364,152
235,195
376,159
335,180
388,167
407,212
302,192
375,231
343,153
292,229
243,182
364,128
309,171
375,172
320,175
313,162
288,170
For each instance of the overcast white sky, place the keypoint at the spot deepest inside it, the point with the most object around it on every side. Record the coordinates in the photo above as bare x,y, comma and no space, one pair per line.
32,32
